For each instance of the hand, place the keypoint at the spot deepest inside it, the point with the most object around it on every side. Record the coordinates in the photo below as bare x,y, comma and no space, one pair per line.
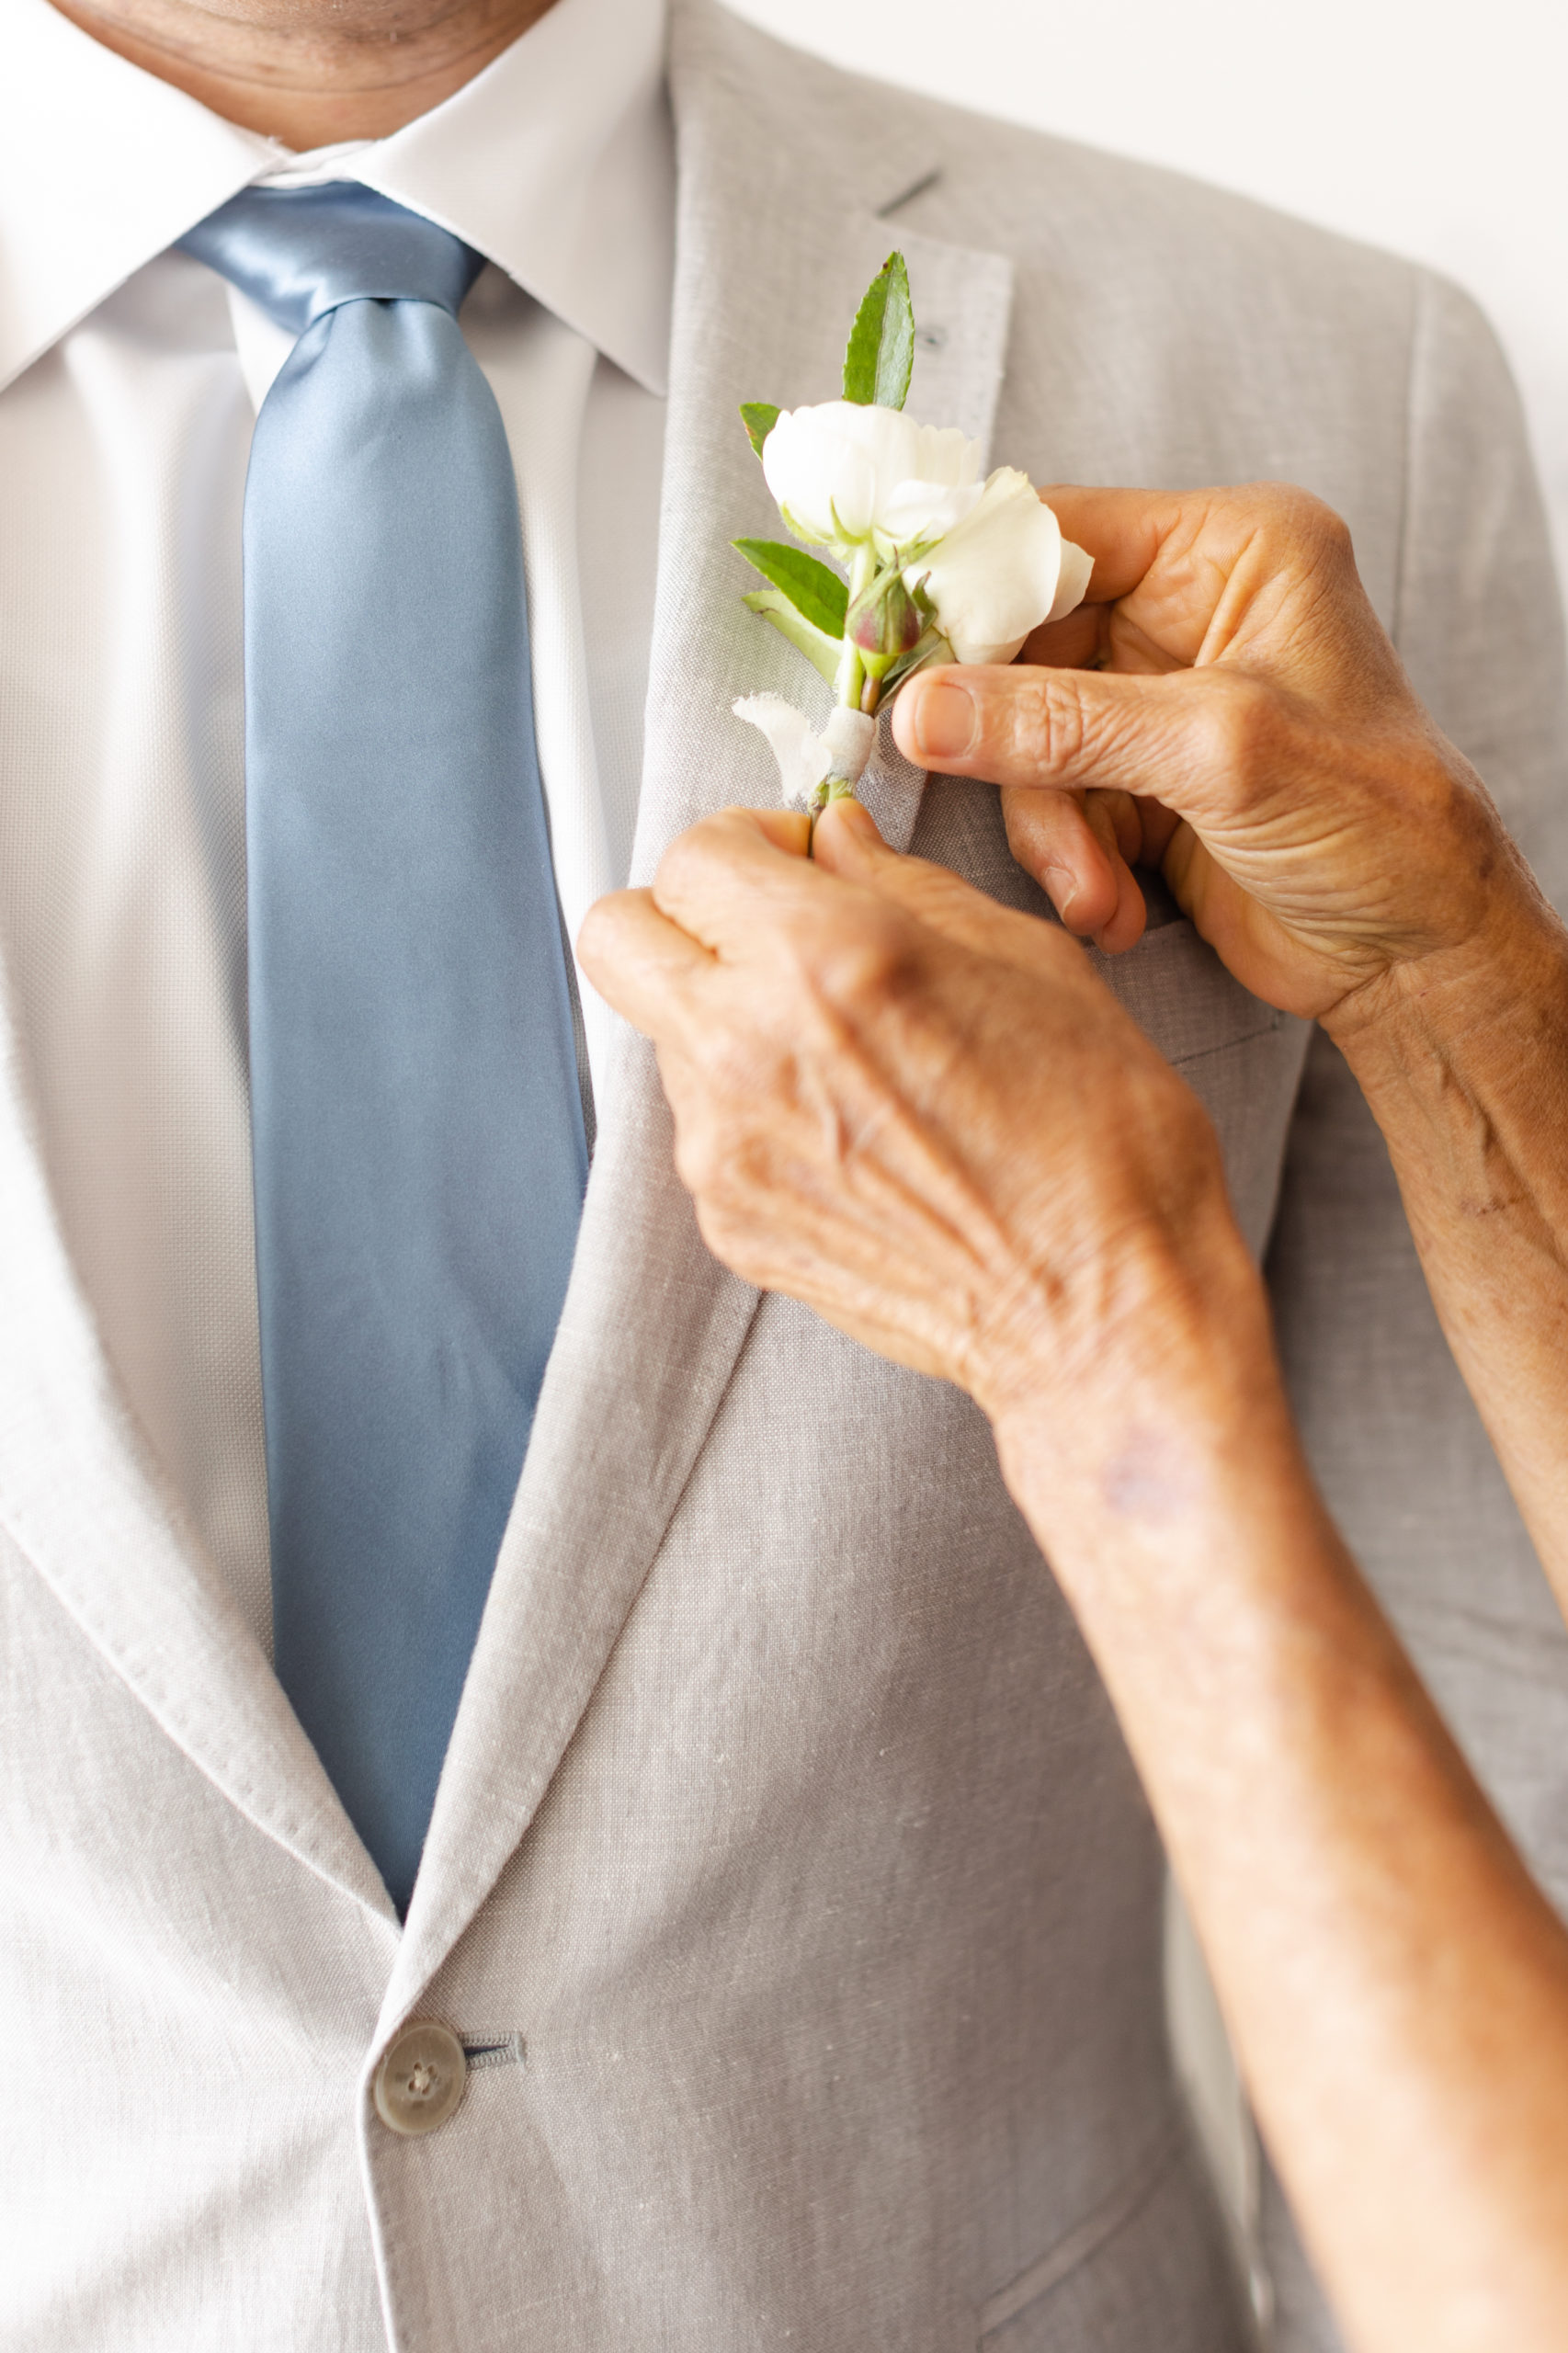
923,1115
1250,730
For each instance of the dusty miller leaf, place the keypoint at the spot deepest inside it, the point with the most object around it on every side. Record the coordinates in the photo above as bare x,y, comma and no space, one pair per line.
880,356
815,591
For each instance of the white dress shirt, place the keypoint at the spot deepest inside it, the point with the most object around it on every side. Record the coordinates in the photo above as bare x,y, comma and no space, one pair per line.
129,376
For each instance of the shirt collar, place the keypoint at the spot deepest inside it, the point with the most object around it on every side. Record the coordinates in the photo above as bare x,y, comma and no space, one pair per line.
557,162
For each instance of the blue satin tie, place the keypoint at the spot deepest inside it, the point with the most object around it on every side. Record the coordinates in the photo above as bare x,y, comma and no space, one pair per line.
418,1146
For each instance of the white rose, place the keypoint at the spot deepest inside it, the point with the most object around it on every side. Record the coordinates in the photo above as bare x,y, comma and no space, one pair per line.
1001,571
844,473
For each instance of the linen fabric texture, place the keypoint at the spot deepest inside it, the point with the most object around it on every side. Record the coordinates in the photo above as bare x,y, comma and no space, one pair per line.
785,1820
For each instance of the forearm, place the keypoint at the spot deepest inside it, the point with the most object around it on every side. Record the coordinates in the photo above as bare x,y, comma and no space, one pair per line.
1397,1987
1465,1067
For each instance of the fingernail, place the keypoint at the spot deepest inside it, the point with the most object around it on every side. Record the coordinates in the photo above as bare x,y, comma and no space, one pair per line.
944,721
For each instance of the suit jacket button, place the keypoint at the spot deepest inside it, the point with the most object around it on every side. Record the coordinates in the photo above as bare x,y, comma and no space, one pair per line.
422,2078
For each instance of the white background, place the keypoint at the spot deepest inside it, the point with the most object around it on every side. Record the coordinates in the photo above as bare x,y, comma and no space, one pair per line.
1436,128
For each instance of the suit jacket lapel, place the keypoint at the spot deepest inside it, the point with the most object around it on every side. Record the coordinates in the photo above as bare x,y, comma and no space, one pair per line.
782,223
82,1499
779,236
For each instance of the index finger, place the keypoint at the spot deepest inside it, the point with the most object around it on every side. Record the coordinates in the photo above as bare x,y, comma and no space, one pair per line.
646,969
723,878
848,843
1186,565
1122,530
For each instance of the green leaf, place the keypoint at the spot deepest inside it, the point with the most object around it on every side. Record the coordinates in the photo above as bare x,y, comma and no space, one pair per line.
773,606
815,591
759,417
880,356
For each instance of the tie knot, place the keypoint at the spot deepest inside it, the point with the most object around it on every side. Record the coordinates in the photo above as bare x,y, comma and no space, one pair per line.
300,251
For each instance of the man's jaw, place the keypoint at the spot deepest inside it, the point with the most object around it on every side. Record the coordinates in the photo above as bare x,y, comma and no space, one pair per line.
310,72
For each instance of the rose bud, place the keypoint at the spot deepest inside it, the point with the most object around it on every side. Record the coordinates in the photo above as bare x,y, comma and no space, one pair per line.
883,623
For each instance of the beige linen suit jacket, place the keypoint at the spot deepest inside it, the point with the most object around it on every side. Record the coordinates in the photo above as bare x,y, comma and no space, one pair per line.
788,1867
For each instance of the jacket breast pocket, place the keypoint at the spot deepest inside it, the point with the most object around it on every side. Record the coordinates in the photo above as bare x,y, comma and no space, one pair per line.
1241,1059
1178,993
1150,2266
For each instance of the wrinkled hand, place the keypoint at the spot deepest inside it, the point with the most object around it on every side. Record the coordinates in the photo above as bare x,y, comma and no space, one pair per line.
1250,730
918,1111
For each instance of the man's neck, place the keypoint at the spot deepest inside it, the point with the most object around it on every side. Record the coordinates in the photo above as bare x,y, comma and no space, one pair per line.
309,73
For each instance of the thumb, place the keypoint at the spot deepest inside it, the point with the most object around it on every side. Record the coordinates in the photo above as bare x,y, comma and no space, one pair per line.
846,841
1019,724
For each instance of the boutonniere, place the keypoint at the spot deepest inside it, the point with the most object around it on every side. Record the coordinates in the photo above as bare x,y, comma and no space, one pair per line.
934,564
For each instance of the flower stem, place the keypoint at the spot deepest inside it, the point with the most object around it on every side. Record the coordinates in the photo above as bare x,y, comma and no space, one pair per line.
851,670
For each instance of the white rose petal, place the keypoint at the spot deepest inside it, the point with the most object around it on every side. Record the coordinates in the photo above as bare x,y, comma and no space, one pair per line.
920,512
843,473
1001,571
1073,583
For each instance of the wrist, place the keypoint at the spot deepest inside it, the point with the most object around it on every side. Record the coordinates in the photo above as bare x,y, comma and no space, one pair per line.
1484,984
1167,1487
1462,1058
1145,1416
1180,1521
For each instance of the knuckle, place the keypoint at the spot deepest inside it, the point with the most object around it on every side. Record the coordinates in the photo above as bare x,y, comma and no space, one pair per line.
730,1064
737,1241
1298,517
720,1144
598,938
731,1173
692,855
714,1083
858,969
681,863
1239,726
935,894
700,1161
1046,727
1332,532
816,948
